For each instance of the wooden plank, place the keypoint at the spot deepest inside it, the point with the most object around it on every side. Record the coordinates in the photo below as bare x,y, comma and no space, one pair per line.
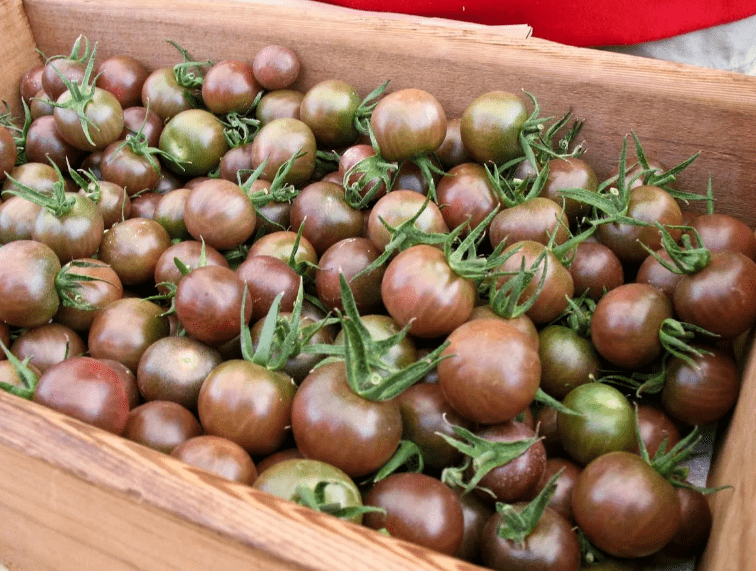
16,51
677,110
76,498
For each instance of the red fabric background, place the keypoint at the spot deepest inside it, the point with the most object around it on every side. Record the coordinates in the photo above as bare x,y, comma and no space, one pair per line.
578,22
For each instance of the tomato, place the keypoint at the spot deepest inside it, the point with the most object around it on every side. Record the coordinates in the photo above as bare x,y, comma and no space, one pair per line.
624,506
195,140
161,425
219,213
76,233
218,456
86,389
569,173
277,142
165,96
466,196
132,170
625,325
128,380
694,531
266,277
397,207
31,82
124,330
58,67
47,345
103,124
208,304
721,232
408,123
654,426
284,479
551,546
280,245
703,390
136,119
248,404
44,144
477,382
333,424
276,67
174,368
133,247
39,176
476,513
169,213
419,509
491,125
720,297
279,104
652,272
189,254
123,76
27,283
605,422
567,360
8,152
230,86
452,151
561,501
538,220
419,288
329,109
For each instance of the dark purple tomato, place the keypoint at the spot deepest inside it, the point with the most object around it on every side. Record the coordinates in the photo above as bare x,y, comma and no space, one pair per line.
44,144
128,380
546,426
143,206
247,404
189,253
655,426
112,201
408,123
694,531
419,288
126,168
74,234
133,247
208,304
86,389
27,283
97,293
476,513
278,141
720,232
31,83
139,118
280,245
123,76
48,344
538,220
569,173
425,414
174,368
326,215
219,213
420,509
477,382
452,151
551,546
626,323
218,456
523,323
652,272
605,422
266,277
333,424
17,216
276,67
466,196
230,86
702,391
55,69
491,125
161,425
561,501
104,121
125,328
624,506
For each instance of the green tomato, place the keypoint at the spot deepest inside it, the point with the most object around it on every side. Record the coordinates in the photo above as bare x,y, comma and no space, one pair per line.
195,140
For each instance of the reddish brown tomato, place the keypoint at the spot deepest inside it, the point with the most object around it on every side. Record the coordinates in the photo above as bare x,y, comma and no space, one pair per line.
104,122
17,216
276,67
31,82
48,345
397,207
218,456
419,288
652,272
161,425
561,501
624,507
230,86
57,68
277,142
97,293
466,196
266,277
123,76
133,171
128,380
139,118
569,172
655,426
452,151
74,234
133,247
209,304
476,513
351,157
280,245
333,424
189,253
164,95
694,532
626,322
477,382
720,232
86,389
419,509
44,144
279,104
169,213
538,220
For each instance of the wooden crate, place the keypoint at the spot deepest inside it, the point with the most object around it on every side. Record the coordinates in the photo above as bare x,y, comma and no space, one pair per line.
75,498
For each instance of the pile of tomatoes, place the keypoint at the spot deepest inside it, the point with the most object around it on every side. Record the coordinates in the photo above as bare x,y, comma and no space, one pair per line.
444,328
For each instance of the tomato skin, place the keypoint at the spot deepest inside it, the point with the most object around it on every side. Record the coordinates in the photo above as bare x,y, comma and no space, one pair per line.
280,140
466,193
452,151
694,532
654,426
397,207
43,140
218,456
477,382
161,425
626,322
720,232
605,424
569,172
551,546
266,277
329,108
230,86
594,268
47,345
133,247
164,95
87,389
127,169
561,501
27,283
123,76
537,220
567,360
189,253
420,288
624,507
8,152
652,272
75,234
408,123
276,67
105,121
490,127
420,509
719,298
279,104
333,424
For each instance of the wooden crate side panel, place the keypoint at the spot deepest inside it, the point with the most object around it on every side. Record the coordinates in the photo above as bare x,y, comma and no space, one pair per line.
677,110
78,498
16,51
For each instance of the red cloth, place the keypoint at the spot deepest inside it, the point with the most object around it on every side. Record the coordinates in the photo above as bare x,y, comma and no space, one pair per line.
578,22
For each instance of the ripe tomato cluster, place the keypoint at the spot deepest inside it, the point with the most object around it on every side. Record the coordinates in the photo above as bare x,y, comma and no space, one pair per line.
445,328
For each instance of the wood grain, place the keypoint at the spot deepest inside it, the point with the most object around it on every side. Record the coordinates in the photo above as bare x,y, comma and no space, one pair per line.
677,110
16,51
73,497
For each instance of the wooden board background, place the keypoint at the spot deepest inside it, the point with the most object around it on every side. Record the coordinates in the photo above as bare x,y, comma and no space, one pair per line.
77,498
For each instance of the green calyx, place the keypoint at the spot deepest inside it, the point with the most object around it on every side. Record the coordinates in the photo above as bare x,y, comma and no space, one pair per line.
189,73
686,257
27,376
315,498
68,284
483,455
240,129
279,191
506,300
19,134
408,455
365,110
518,523
59,203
